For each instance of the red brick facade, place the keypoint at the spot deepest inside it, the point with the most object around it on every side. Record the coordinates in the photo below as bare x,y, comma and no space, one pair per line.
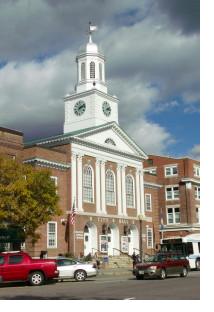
187,180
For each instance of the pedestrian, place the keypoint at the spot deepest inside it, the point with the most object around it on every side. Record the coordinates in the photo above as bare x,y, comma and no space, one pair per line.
134,258
97,260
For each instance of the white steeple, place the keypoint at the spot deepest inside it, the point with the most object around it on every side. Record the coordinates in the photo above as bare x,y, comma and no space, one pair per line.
90,66
90,105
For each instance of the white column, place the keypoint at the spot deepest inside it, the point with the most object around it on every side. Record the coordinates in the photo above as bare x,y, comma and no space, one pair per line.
98,187
119,190
74,178
138,191
123,183
103,188
79,185
142,208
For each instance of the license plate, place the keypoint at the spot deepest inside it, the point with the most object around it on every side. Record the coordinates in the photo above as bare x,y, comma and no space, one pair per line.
141,272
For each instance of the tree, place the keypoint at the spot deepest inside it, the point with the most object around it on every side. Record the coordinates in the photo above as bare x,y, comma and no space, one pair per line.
28,197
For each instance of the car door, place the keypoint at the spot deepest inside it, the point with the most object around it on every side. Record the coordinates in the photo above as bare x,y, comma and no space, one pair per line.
2,261
66,267
16,268
173,264
170,265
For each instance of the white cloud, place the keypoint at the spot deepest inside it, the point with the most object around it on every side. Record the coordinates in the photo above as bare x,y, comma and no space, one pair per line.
195,152
153,138
32,93
147,63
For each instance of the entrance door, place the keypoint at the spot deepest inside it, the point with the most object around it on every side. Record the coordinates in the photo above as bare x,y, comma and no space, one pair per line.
133,240
113,240
90,239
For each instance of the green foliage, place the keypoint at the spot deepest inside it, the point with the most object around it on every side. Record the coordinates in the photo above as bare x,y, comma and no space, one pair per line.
27,196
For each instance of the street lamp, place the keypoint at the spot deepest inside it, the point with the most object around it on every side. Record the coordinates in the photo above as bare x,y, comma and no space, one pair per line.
140,218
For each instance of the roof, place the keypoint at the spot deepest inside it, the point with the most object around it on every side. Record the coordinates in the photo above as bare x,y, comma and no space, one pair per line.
62,136
3,129
82,133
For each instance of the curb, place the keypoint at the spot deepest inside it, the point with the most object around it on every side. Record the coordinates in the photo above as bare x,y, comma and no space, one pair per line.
106,272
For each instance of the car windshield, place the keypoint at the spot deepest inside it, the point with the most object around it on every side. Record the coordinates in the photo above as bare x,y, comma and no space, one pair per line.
155,258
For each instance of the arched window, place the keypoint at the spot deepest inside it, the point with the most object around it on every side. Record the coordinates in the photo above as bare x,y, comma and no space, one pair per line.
82,71
110,188
101,71
92,70
129,191
88,184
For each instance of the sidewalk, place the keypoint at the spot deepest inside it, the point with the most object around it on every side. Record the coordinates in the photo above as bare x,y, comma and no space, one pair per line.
114,272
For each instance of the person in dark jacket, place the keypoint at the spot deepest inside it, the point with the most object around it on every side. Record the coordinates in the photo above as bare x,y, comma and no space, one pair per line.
134,258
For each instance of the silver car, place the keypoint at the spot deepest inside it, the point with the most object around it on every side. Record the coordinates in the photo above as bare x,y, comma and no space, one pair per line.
71,268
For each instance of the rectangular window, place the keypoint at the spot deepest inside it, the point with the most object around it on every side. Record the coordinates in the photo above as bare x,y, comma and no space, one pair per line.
55,180
197,213
52,235
172,192
15,259
173,215
197,192
149,238
196,171
171,171
148,202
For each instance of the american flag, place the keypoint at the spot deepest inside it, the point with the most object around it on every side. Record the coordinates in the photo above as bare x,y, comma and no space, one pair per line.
73,214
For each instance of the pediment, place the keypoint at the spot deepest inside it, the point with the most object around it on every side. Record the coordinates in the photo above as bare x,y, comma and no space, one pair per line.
114,137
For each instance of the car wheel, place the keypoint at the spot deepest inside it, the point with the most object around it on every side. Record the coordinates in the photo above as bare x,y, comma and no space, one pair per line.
36,278
139,277
80,275
162,274
197,264
184,272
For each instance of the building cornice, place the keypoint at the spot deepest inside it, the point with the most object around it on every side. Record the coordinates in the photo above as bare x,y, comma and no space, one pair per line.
106,148
191,180
46,163
152,185
81,138
181,227
90,92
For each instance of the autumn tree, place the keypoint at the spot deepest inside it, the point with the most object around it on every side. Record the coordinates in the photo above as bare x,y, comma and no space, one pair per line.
28,197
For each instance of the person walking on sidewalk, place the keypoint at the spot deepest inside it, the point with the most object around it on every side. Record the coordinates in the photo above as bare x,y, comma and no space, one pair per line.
134,258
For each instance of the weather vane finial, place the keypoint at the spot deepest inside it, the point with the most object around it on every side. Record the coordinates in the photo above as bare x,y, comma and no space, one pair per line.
92,28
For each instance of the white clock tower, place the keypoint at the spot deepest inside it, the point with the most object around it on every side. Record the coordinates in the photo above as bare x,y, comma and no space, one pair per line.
90,105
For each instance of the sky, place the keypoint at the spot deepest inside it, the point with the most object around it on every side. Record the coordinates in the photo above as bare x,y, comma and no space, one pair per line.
152,66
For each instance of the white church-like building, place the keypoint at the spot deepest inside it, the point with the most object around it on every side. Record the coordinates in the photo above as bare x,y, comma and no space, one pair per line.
99,170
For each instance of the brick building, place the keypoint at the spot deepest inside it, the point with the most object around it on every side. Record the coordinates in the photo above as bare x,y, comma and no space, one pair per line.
98,169
179,198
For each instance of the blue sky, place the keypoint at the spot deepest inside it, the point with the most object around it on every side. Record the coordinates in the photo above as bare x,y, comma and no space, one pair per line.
152,52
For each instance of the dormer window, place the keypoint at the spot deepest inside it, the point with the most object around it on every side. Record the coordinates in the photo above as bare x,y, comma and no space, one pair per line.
110,141
92,70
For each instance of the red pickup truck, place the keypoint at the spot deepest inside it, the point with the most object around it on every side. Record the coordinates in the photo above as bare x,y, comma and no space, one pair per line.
19,266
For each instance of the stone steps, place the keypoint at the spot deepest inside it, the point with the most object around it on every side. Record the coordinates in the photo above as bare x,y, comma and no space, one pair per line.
123,261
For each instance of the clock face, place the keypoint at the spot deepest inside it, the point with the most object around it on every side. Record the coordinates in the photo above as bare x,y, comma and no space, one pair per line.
106,108
79,108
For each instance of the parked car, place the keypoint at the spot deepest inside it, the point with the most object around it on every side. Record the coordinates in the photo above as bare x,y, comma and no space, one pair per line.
19,266
162,265
71,268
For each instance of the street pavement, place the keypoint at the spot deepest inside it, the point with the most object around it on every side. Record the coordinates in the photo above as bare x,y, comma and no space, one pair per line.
109,287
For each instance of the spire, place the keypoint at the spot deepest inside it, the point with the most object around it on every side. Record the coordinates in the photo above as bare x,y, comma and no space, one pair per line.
92,28
90,66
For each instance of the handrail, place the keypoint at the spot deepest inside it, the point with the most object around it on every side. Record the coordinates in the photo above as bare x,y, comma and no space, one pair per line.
122,252
94,249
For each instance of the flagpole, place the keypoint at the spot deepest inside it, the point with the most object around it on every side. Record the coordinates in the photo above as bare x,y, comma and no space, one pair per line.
74,209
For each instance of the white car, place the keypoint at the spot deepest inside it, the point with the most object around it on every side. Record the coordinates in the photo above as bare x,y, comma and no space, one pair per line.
70,268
